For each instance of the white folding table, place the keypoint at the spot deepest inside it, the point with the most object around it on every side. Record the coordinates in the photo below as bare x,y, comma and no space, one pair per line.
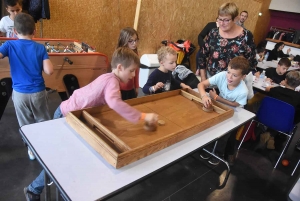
294,194
80,173
267,64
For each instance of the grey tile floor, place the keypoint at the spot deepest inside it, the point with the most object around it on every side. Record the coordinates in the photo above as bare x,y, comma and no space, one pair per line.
189,179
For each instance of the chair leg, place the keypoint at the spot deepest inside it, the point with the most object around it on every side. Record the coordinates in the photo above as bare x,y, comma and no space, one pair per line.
295,168
225,162
245,134
214,149
286,144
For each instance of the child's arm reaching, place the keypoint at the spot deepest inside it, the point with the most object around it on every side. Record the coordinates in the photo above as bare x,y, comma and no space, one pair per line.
114,101
178,84
205,98
184,86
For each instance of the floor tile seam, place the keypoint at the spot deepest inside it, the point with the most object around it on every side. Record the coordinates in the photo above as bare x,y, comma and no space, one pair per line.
189,183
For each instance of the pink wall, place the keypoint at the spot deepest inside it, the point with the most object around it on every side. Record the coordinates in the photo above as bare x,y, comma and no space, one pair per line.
284,20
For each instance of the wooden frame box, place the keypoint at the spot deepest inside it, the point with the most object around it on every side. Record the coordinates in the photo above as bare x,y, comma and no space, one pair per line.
121,142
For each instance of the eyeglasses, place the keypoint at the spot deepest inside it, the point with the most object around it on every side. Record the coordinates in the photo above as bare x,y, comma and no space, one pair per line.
133,41
225,21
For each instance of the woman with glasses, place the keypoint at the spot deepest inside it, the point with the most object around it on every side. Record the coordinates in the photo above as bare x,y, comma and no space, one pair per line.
226,42
277,52
223,44
129,38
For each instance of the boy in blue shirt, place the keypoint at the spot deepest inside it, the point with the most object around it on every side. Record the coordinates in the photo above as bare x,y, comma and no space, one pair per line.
233,92
27,60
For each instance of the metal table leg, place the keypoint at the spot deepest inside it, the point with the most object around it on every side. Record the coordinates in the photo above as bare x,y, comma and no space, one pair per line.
47,188
222,184
295,168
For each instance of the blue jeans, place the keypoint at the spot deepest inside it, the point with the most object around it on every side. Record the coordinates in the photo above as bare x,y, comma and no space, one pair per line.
38,184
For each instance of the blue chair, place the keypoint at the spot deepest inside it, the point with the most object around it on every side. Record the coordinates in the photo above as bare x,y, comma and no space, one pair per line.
277,115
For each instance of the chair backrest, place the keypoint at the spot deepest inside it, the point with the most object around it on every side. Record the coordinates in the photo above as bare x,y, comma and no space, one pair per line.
248,81
276,114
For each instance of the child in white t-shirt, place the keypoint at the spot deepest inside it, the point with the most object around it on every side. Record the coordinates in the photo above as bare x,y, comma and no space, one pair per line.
260,54
13,7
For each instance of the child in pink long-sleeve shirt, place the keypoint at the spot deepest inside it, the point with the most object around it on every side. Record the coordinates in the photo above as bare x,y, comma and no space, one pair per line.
103,90
106,90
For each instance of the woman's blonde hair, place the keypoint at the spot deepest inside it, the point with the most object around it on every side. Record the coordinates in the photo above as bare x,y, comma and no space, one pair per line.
125,36
229,9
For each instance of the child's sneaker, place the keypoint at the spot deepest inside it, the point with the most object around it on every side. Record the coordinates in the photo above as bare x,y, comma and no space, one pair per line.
31,155
30,196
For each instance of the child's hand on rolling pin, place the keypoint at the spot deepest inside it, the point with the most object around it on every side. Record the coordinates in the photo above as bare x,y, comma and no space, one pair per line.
206,101
151,118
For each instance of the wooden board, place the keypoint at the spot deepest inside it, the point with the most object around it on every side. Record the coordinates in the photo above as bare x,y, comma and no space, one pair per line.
121,142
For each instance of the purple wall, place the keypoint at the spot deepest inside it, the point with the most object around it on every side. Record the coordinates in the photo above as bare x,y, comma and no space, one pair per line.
284,20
